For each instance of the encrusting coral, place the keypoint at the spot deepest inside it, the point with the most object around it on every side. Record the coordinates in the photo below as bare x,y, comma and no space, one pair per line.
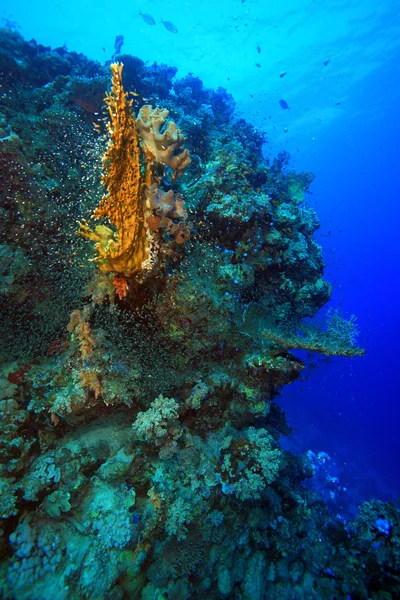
133,203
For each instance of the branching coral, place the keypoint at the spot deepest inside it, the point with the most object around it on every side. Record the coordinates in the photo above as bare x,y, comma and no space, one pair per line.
158,421
249,464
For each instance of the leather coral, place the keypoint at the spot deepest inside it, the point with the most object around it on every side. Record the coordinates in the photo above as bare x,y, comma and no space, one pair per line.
162,139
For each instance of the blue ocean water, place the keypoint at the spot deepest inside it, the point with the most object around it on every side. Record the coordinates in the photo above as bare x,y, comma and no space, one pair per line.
337,66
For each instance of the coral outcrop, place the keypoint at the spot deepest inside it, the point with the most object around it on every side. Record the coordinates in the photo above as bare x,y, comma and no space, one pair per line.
141,437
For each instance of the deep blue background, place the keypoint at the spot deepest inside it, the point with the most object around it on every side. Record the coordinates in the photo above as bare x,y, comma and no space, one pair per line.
351,408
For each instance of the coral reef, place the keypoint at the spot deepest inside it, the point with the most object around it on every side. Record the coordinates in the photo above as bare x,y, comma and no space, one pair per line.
140,452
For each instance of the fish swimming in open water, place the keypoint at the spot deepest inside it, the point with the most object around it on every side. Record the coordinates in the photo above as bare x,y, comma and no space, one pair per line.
147,18
284,104
170,26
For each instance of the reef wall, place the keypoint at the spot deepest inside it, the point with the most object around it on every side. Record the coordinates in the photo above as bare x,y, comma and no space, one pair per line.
140,453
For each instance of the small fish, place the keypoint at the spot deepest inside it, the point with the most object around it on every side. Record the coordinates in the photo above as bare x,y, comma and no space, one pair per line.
337,103
282,74
258,48
170,26
147,18
283,104
326,62
258,65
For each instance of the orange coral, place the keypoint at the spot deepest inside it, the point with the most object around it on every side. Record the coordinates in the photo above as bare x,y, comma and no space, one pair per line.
125,250
120,286
132,246
78,325
91,380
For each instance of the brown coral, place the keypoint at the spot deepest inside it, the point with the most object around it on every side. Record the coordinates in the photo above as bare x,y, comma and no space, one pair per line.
163,145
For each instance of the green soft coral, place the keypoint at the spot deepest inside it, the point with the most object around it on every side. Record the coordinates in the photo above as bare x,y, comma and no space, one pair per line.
250,464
